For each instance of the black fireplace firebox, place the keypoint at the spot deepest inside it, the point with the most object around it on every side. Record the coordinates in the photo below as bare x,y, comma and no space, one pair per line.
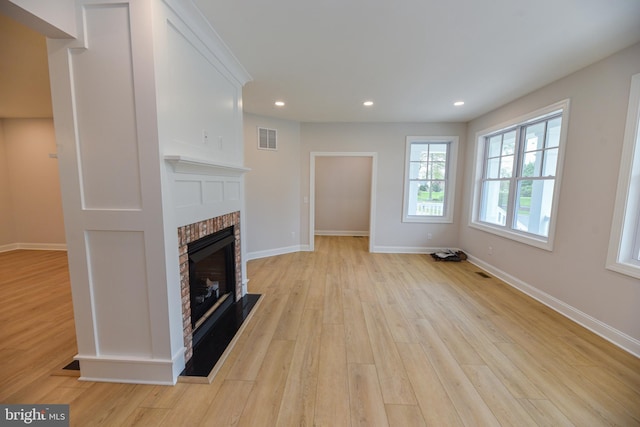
212,279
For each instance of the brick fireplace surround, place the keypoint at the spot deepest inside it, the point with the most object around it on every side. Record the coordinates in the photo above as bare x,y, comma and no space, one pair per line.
190,233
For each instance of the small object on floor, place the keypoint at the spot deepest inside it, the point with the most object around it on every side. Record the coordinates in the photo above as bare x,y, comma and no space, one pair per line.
73,366
449,255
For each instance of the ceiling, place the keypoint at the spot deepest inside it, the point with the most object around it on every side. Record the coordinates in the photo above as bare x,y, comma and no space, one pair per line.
412,58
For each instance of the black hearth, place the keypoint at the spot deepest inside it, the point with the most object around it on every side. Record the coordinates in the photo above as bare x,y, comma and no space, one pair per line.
214,343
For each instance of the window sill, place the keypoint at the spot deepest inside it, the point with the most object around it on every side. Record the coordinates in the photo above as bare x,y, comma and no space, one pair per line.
547,245
627,268
427,220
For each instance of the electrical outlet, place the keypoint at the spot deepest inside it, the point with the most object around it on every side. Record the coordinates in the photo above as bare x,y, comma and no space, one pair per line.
490,250
429,236
205,136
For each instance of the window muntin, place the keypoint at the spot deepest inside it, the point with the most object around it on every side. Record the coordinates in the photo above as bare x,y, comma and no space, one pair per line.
521,196
498,172
517,176
429,179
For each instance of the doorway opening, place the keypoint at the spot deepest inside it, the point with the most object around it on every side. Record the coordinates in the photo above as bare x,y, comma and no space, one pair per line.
314,185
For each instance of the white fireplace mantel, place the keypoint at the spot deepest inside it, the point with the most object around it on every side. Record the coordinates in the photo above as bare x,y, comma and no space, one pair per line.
191,165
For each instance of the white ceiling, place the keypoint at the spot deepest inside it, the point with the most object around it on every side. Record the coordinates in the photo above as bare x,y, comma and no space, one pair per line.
413,58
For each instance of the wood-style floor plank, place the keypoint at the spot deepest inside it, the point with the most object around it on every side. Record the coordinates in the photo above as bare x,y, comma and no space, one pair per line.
263,404
357,339
433,399
332,395
404,415
472,409
393,378
298,399
341,337
503,404
249,361
366,402
226,410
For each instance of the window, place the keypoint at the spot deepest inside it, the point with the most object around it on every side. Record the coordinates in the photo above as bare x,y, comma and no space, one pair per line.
624,243
429,179
517,176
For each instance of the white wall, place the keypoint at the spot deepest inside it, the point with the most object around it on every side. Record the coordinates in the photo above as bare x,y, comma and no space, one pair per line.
31,208
342,195
572,277
198,89
388,141
128,328
117,112
139,81
198,98
273,191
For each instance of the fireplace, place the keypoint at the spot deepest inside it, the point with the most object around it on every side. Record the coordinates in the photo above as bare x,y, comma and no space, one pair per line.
212,280
214,308
213,246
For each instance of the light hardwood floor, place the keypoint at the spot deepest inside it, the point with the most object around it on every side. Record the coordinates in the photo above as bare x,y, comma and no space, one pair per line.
341,338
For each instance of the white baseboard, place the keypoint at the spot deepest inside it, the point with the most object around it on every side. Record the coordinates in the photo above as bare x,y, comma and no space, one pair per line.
9,247
131,370
596,326
407,250
275,252
341,233
34,247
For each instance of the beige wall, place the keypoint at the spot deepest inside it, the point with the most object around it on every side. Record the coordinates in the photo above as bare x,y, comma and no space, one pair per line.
31,212
24,80
272,188
388,140
572,277
342,195
278,187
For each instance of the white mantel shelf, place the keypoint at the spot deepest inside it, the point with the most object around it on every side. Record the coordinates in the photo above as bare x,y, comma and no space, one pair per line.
191,165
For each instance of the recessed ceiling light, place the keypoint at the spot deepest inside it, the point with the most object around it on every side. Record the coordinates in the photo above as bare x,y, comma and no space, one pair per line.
279,103
458,103
367,103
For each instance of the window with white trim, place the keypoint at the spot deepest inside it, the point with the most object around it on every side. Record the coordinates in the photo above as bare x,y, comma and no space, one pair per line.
624,243
429,188
518,166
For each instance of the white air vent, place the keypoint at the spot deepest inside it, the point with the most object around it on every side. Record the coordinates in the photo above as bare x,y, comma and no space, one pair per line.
267,139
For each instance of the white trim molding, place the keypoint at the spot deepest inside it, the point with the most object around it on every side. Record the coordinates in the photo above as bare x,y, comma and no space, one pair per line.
342,233
312,191
408,250
451,171
131,369
275,252
34,247
624,241
191,165
507,231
